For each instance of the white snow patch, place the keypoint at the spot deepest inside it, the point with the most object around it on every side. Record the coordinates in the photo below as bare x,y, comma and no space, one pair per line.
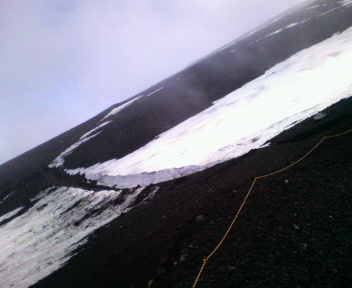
59,161
42,239
331,10
313,7
292,25
246,119
89,134
327,12
275,32
246,35
10,214
7,197
120,108
282,29
156,90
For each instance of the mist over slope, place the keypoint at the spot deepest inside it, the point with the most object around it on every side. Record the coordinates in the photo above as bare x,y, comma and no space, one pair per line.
113,202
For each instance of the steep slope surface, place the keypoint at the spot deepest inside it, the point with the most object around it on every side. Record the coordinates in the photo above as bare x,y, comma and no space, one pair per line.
50,213
237,123
161,239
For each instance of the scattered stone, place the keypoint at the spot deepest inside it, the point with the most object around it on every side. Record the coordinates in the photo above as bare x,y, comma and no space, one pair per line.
200,219
319,116
304,247
296,227
184,254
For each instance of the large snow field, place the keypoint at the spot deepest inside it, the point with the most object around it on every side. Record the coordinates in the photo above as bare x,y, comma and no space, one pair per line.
288,93
43,239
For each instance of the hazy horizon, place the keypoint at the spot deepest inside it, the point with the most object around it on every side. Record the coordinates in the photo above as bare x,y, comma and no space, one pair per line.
62,62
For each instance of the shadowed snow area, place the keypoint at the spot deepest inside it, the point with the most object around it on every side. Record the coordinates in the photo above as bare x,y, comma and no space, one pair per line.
41,240
297,89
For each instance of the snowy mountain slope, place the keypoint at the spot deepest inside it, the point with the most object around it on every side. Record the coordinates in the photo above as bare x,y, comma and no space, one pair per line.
96,230
237,123
194,89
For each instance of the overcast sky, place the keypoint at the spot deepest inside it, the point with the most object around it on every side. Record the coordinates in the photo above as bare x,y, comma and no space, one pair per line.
64,61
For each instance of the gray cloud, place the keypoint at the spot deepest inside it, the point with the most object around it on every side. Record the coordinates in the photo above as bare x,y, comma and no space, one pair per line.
62,62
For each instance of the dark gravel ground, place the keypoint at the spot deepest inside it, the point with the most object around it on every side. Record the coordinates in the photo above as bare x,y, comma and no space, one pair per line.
295,230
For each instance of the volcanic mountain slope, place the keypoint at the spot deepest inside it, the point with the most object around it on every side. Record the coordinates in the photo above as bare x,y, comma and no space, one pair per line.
137,195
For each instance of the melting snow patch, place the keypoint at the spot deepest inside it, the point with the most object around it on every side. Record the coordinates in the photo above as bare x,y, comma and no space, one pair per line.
42,239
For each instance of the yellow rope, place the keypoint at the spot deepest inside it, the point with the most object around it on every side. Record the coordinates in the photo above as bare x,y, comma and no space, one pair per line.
294,163
200,272
336,135
233,221
206,259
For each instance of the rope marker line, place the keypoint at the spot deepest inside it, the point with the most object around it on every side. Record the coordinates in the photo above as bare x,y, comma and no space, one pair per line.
340,134
206,258
200,273
294,163
233,221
